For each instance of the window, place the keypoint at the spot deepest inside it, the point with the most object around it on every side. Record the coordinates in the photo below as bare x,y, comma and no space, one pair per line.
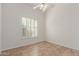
29,27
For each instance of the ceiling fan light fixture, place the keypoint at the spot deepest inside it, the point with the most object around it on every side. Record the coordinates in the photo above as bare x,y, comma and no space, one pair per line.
41,6
45,7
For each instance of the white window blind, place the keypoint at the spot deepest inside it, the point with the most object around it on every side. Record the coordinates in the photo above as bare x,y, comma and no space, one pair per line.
29,27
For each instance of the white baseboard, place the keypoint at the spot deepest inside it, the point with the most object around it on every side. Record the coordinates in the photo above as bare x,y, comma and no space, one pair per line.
64,45
29,43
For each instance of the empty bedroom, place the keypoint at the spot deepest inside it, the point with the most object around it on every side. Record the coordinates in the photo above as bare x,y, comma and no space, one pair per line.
39,29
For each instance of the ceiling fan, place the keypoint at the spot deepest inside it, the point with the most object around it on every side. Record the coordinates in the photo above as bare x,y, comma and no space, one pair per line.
42,6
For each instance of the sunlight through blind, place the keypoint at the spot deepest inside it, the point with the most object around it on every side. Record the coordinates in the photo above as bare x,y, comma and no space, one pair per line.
29,27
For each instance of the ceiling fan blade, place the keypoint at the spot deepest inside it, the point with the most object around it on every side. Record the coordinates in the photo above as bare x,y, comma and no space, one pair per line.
36,6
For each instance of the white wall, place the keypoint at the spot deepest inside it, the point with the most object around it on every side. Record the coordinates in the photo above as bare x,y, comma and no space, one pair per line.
0,28
62,24
12,30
